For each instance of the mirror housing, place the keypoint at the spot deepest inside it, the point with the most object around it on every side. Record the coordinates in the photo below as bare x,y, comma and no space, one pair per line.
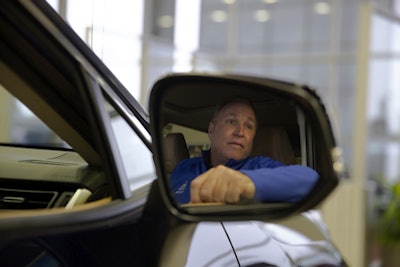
188,100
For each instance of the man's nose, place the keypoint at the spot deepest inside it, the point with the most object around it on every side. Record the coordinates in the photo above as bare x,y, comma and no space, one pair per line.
239,130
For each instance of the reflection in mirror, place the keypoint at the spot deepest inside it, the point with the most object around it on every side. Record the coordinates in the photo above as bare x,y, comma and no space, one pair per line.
227,144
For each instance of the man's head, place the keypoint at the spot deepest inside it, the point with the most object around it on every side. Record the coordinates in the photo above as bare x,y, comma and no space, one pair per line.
232,130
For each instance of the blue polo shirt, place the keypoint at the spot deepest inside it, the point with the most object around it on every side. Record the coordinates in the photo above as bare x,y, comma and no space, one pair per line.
273,180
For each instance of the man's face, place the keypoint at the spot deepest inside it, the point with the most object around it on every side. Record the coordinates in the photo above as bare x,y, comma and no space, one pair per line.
231,133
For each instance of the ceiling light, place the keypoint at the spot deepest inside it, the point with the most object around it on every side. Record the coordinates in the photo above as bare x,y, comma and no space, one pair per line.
269,1
219,16
322,8
165,22
262,15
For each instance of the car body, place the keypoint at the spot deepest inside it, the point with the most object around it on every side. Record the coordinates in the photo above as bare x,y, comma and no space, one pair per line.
78,184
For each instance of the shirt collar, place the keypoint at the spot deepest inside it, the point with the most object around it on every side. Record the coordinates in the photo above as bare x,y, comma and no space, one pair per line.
234,164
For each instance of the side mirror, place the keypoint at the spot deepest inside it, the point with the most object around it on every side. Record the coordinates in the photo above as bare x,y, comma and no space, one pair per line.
183,104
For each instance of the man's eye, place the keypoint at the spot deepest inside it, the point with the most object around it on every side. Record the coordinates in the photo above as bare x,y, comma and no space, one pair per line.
230,121
250,126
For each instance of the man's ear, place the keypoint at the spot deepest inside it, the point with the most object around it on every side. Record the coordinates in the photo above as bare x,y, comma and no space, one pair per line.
210,128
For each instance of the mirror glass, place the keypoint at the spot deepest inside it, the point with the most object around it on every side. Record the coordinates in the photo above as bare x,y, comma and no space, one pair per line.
203,123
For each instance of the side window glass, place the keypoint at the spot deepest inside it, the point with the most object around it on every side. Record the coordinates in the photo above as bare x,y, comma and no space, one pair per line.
136,156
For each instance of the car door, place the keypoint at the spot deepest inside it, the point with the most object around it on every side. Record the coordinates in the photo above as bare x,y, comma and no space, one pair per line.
94,157
76,165
83,137
301,240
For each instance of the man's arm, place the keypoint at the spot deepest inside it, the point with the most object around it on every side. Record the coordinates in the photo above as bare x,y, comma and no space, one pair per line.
282,184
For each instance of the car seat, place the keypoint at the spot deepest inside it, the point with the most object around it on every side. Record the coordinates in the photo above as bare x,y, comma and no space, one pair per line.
274,142
175,150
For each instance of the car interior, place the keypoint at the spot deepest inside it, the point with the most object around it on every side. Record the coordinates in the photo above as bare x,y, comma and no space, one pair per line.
39,170
186,123
270,141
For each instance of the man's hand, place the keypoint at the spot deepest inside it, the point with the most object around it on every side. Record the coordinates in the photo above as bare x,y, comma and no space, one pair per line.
221,184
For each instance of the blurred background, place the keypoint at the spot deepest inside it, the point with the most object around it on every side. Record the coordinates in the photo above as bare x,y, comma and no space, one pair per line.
348,50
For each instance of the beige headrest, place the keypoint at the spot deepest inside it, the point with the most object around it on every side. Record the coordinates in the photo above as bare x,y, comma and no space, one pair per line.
273,142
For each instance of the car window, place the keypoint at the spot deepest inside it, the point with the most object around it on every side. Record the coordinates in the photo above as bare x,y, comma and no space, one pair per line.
21,127
196,140
136,157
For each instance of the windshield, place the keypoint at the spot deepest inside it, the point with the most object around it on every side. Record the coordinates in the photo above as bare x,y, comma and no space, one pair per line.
20,127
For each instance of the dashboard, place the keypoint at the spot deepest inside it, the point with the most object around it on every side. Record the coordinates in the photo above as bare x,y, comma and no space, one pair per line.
32,178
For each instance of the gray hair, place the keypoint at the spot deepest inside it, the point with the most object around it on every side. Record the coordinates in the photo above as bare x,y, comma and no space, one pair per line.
234,100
